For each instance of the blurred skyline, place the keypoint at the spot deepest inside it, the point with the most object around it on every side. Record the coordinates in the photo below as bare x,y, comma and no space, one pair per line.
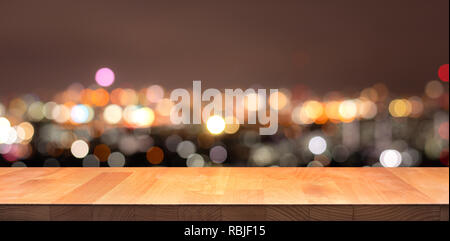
328,45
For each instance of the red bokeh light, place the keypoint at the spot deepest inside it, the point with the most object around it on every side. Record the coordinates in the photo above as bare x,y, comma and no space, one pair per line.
443,72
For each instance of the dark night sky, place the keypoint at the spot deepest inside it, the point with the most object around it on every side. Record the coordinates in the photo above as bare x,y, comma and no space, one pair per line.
344,45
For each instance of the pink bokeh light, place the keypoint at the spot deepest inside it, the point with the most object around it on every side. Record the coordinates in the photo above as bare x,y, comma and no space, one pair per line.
104,77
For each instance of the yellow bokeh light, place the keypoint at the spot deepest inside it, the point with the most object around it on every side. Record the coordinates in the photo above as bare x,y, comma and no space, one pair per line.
348,110
313,109
232,125
215,124
332,110
128,113
143,117
283,100
400,108
26,131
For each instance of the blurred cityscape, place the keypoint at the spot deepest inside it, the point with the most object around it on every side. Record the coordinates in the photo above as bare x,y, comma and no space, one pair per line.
100,125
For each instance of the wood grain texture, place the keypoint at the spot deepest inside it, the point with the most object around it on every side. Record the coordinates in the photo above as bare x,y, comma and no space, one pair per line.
397,213
224,194
444,213
224,213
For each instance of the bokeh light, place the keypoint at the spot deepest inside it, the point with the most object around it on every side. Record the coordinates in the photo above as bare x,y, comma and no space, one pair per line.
186,148
443,72
155,155
317,145
164,107
116,159
195,160
215,124
434,89
79,114
155,93
91,161
390,158
104,77
231,125
112,114
143,117
348,110
79,148
102,152
313,109
282,102
218,154
125,124
400,108
5,126
25,131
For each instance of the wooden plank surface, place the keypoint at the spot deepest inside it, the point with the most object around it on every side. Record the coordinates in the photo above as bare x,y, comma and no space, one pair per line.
224,193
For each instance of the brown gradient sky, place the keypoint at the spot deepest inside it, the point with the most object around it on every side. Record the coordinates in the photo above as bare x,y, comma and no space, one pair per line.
327,45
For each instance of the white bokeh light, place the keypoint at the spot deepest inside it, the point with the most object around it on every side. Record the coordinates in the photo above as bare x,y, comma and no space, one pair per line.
79,149
390,158
317,145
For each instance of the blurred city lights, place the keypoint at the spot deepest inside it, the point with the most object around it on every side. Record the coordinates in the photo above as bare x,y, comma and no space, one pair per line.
125,124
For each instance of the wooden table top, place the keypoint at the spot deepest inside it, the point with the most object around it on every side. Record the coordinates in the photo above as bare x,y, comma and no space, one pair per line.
228,186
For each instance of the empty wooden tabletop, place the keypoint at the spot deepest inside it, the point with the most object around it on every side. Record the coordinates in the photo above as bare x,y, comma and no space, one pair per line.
345,188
